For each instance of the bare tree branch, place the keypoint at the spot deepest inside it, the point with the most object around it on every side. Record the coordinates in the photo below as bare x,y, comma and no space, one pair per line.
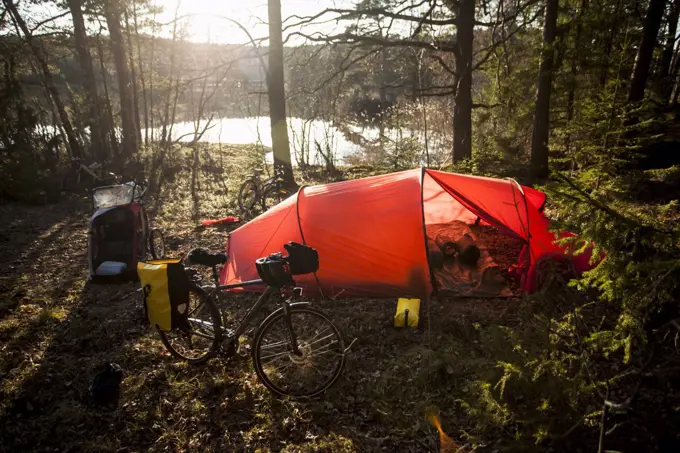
352,38
53,18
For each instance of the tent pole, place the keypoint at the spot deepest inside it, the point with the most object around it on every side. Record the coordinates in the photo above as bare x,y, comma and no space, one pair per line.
302,235
423,171
526,210
428,296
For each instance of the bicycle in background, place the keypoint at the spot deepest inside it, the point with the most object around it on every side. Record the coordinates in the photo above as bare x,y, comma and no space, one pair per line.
78,173
256,196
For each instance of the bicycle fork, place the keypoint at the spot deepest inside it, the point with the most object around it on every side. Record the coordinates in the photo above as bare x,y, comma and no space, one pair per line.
297,292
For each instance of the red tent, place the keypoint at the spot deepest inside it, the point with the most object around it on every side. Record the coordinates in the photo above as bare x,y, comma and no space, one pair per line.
371,233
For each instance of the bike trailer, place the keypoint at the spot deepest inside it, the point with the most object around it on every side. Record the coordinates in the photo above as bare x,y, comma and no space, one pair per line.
118,236
165,287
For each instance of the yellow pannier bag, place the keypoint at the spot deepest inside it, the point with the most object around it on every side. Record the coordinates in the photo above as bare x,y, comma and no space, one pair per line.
407,313
166,292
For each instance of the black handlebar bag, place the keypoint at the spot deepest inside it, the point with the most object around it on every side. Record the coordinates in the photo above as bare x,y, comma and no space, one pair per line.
165,286
302,259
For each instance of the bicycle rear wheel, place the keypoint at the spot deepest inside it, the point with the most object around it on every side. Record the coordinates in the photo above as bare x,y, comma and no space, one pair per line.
200,339
321,358
248,195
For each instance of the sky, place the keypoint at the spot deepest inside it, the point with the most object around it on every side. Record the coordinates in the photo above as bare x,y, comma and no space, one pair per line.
206,22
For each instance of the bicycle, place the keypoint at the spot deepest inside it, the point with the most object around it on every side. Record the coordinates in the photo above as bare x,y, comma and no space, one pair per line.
268,193
77,171
294,338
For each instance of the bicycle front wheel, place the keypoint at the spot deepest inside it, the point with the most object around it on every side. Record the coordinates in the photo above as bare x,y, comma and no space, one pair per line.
273,196
156,244
320,357
200,339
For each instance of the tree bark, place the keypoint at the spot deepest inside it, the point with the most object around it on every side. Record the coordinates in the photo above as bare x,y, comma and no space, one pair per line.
645,53
98,149
165,137
665,77
108,119
48,80
604,74
574,71
129,133
277,95
133,78
142,79
541,133
462,109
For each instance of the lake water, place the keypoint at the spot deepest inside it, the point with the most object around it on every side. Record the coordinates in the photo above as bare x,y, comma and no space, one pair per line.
258,130
241,131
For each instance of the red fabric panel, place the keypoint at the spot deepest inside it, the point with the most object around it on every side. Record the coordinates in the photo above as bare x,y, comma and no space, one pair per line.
497,201
439,205
261,236
534,197
369,235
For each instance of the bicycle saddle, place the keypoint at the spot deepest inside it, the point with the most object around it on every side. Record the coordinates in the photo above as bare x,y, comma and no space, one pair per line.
205,258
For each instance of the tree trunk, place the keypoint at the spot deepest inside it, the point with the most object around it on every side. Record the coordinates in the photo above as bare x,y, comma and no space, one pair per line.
48,80
133,77
165,137
574,72
108,120
98,149
141,77
646,50
113,21
665,76
539,140
609,44
277,96
673,95
462,109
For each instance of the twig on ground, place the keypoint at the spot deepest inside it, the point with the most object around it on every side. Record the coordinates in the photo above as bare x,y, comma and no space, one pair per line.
603,419
350,346
629,401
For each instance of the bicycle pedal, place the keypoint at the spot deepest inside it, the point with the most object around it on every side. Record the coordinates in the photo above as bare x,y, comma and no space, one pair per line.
230,346
227,334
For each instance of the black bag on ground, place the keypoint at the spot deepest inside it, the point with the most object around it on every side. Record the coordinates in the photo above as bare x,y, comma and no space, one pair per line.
105,387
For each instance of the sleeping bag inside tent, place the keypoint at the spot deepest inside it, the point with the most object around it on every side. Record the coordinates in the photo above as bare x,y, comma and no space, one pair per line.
407,234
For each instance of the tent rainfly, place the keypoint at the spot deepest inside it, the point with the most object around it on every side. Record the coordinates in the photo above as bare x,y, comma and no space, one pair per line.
371,232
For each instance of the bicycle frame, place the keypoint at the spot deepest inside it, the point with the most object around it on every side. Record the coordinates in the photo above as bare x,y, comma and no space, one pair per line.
248,318
89,171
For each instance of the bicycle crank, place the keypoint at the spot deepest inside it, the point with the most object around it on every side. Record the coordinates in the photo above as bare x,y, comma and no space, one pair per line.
230,345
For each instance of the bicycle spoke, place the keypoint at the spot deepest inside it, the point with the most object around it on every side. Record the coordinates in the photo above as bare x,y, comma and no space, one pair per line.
202,335
321,339
201,322
320,333
273,345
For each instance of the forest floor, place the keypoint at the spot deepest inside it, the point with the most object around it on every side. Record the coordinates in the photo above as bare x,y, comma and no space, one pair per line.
57,331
